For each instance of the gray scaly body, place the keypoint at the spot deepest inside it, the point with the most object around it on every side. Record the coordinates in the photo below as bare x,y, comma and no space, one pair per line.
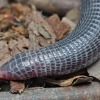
77,51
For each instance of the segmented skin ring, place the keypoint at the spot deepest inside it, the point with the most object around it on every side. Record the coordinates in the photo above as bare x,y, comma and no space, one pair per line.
75,52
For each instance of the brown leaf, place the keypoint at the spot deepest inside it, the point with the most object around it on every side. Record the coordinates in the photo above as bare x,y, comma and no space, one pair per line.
38,25
2,44
8,35
71,23
14,51
17,86
5,11
81,79
72,81
44,42
43,32
54,21
47,28
21,9
25,41
4,50
34,42
59,28
1,17
22,44
12,43
32,28
5,24
12,19
64,27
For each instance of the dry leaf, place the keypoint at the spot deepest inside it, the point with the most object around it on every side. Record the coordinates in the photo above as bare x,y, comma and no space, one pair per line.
4,50
12,43
82,79
72,81
32,28
44,42
17,87
59,28
54,21
34,42
1,17
25,41
71,23
5,11
8,35
5,24
3,44
47,28
14,51
38,25
43,32
21,9
12,19
21,45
